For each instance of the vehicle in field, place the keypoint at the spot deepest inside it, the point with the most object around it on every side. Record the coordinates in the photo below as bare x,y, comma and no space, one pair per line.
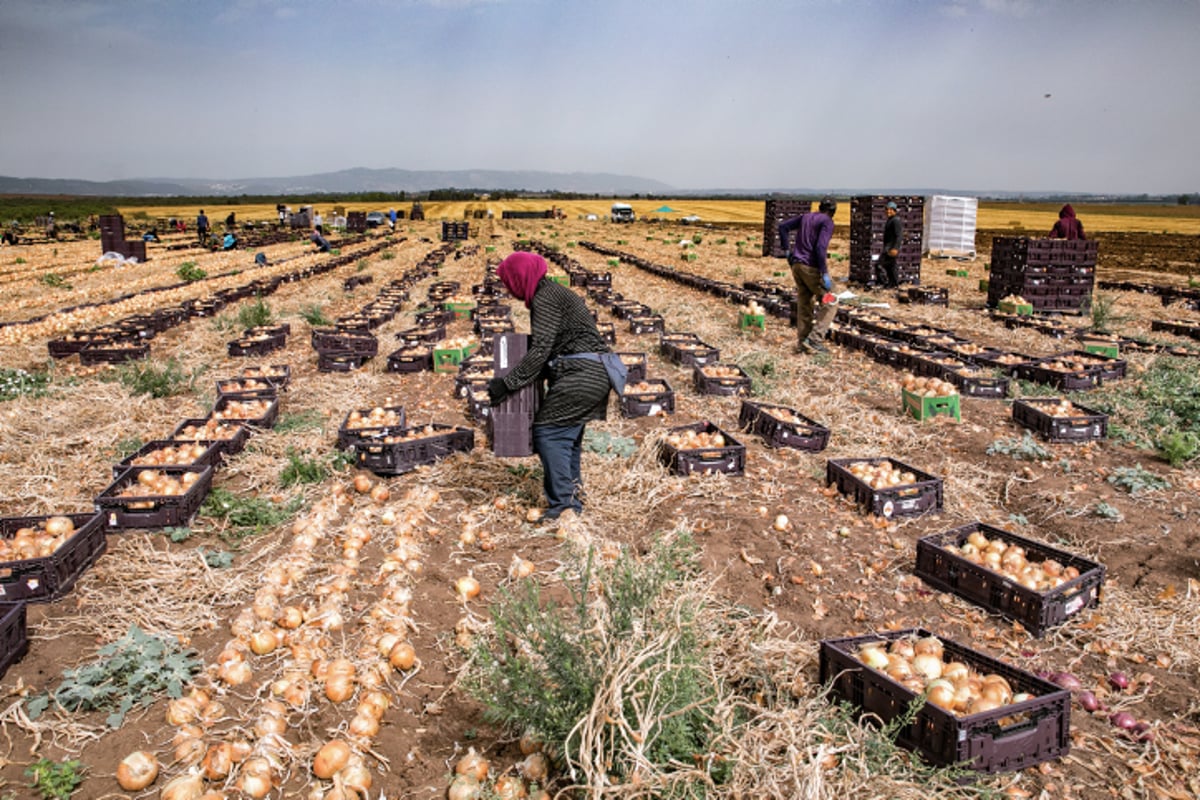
375,219
622,212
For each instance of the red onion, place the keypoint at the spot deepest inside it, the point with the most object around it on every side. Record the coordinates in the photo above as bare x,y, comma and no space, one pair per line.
1118,681
1089,701
1067,681
1123,720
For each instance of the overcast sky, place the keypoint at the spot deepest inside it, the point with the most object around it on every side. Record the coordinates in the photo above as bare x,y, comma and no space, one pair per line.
1022,95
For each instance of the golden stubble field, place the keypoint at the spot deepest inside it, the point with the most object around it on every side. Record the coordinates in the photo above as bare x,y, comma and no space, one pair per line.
1132,218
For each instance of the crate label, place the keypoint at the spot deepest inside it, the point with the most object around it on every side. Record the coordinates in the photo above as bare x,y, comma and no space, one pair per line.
1076,603
655,408
112,519
888,508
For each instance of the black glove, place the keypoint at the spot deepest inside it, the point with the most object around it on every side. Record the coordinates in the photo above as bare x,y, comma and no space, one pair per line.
497,391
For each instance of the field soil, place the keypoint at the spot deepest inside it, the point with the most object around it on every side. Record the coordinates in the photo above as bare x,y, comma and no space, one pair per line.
827,570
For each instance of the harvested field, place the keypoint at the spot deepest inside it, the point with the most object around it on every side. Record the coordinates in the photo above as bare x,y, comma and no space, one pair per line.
780,560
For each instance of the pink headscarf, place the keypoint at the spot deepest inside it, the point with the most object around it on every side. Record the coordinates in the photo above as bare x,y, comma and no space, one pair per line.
520,274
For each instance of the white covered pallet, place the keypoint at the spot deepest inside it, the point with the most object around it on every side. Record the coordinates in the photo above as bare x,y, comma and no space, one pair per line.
950,225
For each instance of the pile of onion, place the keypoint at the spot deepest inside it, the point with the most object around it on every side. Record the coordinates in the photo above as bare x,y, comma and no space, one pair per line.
881,474
695,440
1010,560
918,665
928,387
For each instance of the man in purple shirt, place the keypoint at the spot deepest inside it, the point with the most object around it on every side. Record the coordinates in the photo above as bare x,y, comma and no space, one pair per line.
807,257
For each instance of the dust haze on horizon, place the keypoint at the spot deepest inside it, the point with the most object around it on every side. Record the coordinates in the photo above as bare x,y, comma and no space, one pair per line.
997,95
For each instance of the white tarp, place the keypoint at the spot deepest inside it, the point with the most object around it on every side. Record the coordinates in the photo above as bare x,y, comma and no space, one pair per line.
950,225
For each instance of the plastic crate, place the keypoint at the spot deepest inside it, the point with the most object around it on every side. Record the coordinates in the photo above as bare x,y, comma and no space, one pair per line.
1008,738
227,409
796,431
340,361
398,457
1037,611
640,324
1103,348
13,639
114,353
152,511
459,310
635,365
210,457
243,347
660,399
231,435
47,578
410,359
431,334
690,354
907,500
922,408
447,359
509,426
729,459
722,386
1087,426
607,331
1075,380
246,388
752,321
993,387
278,374
1110,368
363,344
1021,309
346,434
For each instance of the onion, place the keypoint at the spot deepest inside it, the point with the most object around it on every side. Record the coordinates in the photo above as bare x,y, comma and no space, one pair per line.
402,656
509,787
381,494
356,776
188,786
874,657
339,688
535,767
472,765
218,761
467,588
263,641
528,744
235,673
781,522
464,787
189,751
928,645
1066,680
362,484
1088,701
255,778
182,711
330,758
364,725
59,526
373,704
1118,681
1123,720
137,770
927,665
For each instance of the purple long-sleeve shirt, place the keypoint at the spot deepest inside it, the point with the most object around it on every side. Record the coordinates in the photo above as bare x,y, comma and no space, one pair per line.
812,238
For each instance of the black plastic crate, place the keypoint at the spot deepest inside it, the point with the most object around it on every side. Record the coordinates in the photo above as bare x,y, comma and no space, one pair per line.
922,495
72,343
396,455
952,571
340,361
924,296
973,383
625,309
607,331
426,334
723,385
232,409
1073,379
635,366
780,426
335,341
410,359
246,388
729,459
208,455
152,511
1110,368
658,398
231,435
115,353
256,346
278,374
1008,738
690,354
13,639
1086,426
640,324
1007,363
47,578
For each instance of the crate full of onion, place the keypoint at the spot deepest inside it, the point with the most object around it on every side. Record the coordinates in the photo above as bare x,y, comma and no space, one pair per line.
41,557
884,486
1035,584
928,397
979,712
154,497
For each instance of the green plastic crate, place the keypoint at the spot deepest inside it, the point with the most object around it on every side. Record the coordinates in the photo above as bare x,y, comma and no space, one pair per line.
1021,309
752,321
447,360
1112,350
958,273
923,408
561,279
460,310
983,284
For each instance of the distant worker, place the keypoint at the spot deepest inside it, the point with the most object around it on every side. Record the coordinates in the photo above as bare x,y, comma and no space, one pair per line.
51,232
1067,227
202,228
893,234
150,235
10,237
392,218
317,220
230,221
260,259
230,242
319,241
808,260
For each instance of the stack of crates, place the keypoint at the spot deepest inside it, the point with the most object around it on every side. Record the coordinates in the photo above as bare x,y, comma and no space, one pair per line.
455,231
868,215
1051,274
356,222
776,212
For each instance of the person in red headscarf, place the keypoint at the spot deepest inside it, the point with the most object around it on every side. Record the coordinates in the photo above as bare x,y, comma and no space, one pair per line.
1067,227
566,350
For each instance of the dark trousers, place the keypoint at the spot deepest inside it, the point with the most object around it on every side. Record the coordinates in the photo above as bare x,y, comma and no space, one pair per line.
887,268
559,447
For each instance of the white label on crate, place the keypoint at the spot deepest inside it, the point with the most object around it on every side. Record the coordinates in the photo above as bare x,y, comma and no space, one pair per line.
655,409
888,508
502,356
1075,604
112,520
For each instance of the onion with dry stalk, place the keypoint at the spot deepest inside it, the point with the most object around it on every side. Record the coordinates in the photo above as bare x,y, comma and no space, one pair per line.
464,787
472,765
256,778
332,756
188,786
467,588
137,771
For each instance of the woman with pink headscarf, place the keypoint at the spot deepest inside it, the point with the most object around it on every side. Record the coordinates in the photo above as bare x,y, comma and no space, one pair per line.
564,349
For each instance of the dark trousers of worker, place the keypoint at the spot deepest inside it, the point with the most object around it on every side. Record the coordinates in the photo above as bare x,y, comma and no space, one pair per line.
202,236
887,271
559,447
808,289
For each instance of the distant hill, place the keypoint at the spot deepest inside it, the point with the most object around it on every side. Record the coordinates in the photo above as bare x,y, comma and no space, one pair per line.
346,182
